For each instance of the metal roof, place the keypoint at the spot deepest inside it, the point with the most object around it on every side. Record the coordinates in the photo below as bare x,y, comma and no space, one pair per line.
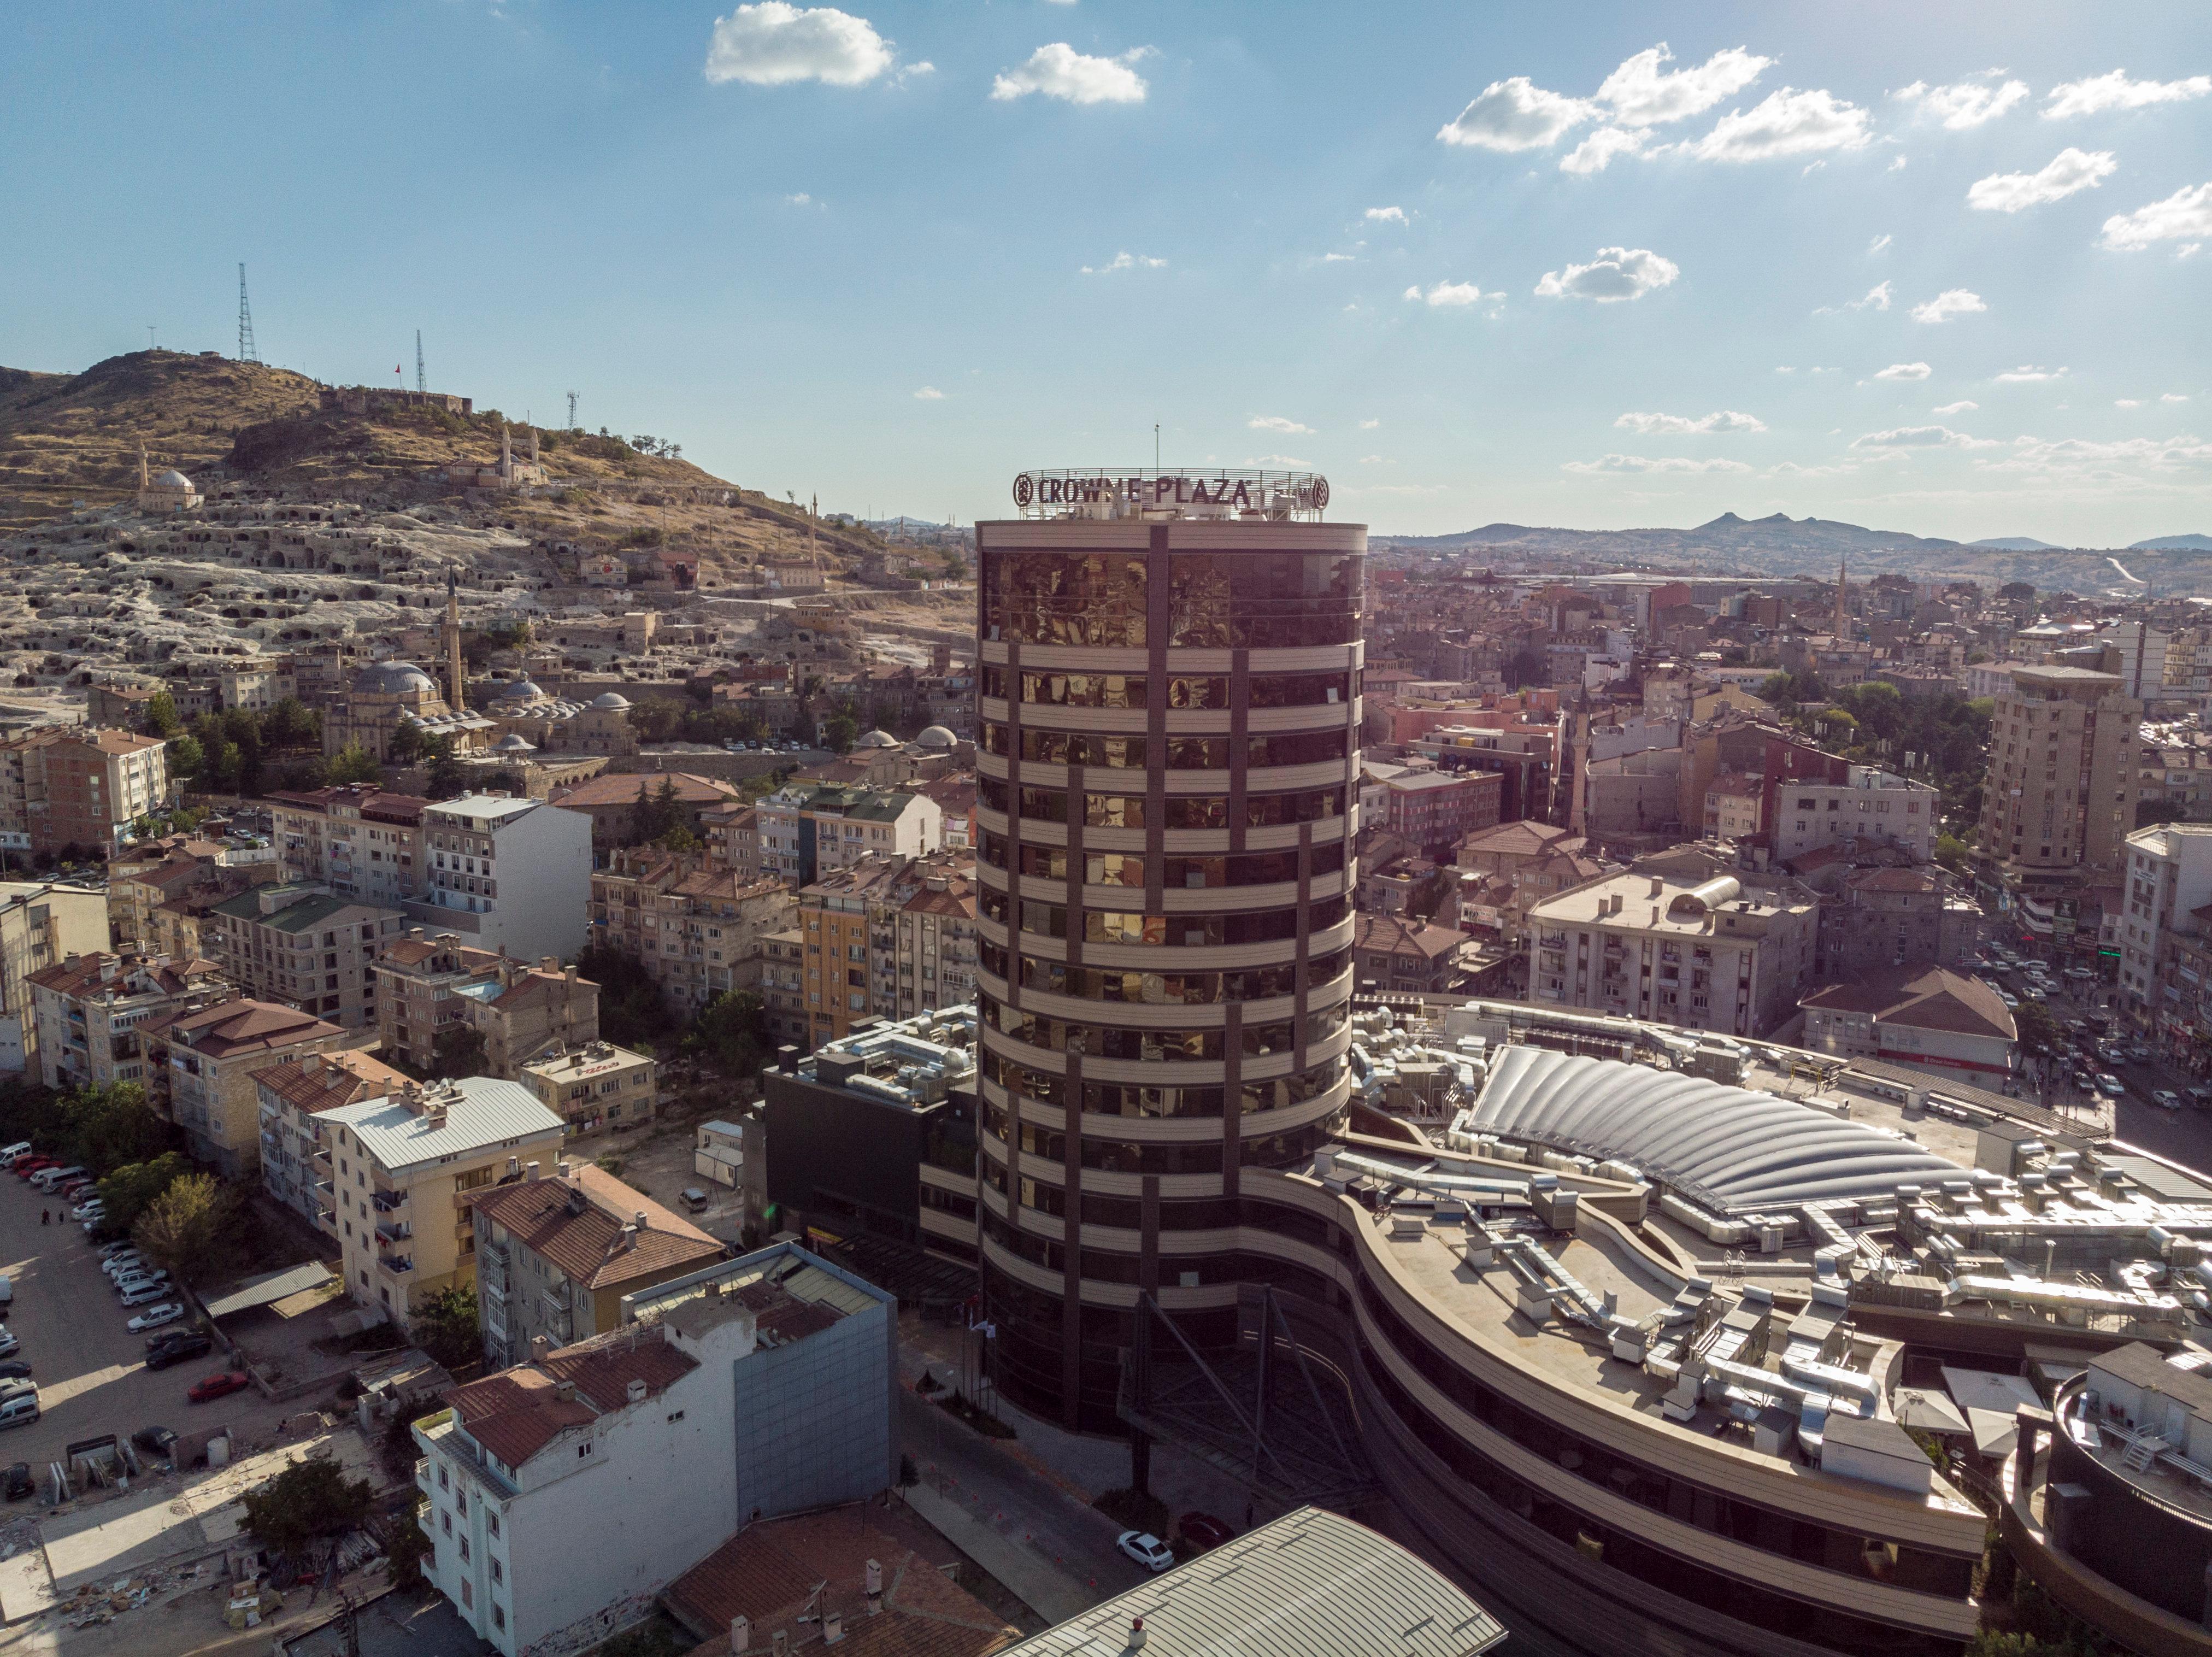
269,1288
482,1111
1730,1147
1310,1584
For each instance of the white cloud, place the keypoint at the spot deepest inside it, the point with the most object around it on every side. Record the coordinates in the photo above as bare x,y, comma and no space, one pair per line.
1515,115
929,394
1785,369
1616,273
1964,104
1958,407
1289,427
1368,425
2186,212
1788,123
1374,461
1638,463
1897,165
2127,402
2028,373
2069,171
907,72
1921,437
1672,425
1286,460
1387,214
1126,260
1339,258
1879,243
1452,294
2114,91
1643,93
1952,301
1904,371
1059,71
2174,397
2189,250
1595,152
2160,453
1875,298
774,44
800,200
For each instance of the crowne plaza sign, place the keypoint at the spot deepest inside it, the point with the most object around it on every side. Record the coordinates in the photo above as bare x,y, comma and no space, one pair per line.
1252,492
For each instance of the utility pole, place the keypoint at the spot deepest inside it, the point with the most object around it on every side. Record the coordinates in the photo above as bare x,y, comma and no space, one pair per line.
149,336
247,350
422,383
572,412
1156,448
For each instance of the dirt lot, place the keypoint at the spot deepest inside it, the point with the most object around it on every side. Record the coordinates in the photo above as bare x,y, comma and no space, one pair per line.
657,1161
90,1369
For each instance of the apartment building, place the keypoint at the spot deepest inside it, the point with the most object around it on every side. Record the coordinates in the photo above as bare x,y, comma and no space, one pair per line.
157,908
1886,917
914,922
2059,798
934,936
1875,807
61,790
556,1255
507,874
595,1087
295,1158
757,1387
42,924
1395,952
611,802
1679,938
2165,885
1924,1017
407,1170
295,941
783,988
211,1055
696,929
731,833
428,985
807,830
1435,810
355,839
88,1010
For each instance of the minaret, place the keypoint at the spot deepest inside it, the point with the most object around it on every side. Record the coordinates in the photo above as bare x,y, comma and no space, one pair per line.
144,480
456,682
533,446
1842,590
506,457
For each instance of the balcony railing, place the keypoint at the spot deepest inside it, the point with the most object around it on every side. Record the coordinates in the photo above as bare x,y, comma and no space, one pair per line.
396,1264
386,1200
394,1231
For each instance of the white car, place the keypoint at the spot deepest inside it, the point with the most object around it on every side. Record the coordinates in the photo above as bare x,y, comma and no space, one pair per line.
9,1152
1146,1549
155,1316
142,1277
117,1266
2109,1086
2010,1000
139,1294
88,1210
2166,1098
9,1346
121,1245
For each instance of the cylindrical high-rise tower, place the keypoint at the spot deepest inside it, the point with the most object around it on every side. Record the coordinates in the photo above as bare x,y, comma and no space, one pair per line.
1169,729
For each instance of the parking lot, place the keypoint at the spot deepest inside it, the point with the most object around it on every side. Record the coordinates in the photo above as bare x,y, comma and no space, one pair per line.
90,1369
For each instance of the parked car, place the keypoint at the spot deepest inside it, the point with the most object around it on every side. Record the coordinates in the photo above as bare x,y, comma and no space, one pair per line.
9,1346
2139,1052
123,1259
19,1483
96,1209
155,1316
14,1369
2011,1000
211,1387
1204,1531
24,1167
154,1440
144,1295
191,1344
2111,1086
109,1251
49,1179
10,1153
2199,1095
19,1411
1145,1549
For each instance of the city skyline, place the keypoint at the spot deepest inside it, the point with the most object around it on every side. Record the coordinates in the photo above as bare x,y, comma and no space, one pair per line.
1920,272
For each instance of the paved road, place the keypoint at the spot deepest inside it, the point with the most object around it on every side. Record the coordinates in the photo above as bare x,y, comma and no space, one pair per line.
995,1488
90,1369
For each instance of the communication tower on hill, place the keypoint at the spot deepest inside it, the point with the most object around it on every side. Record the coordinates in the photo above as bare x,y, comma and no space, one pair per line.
421,384
247,350
571,410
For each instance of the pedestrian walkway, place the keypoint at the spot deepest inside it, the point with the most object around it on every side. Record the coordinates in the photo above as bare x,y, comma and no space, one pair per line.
1047,1588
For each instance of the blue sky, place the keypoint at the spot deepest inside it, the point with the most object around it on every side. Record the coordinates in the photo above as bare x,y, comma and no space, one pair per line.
1475,265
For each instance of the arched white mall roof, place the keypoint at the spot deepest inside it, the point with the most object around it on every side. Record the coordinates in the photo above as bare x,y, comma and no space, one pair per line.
1728,1149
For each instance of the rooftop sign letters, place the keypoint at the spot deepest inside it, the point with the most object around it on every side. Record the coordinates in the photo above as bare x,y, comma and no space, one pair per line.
1227,493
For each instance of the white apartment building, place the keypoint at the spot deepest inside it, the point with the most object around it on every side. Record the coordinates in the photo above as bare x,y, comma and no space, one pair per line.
88,1010
354,838
403,1169
506,873
562,1496
1875,807
807,830
2166,877
1680,940
41,925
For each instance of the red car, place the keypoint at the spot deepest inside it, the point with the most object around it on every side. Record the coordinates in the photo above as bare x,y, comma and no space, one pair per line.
216,1386
1203,1530
31,1165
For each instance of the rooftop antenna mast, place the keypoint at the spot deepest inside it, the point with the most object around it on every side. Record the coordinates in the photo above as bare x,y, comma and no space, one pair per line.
421,382
247,350
571,410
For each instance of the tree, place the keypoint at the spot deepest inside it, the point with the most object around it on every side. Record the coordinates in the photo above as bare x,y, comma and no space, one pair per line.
2037,1027
729,1034
446,1327
110,1127
405,1549
657,718
407,743
355,764
187,756
2151,812
631,1013
679,840
191,1228
448,776
293,724
131,1189
457,1050
307,1501
161,715
840,733
1953,853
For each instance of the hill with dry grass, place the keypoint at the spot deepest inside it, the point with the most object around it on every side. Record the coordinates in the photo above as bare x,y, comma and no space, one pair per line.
72,440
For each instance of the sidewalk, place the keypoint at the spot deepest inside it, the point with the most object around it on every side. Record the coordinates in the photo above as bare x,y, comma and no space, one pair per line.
1045,1588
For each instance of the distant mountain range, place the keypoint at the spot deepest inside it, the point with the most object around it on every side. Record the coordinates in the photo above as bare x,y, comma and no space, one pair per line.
1780,544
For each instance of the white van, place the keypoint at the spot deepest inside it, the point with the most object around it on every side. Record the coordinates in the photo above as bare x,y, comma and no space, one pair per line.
19,1410
9,1152
47,1178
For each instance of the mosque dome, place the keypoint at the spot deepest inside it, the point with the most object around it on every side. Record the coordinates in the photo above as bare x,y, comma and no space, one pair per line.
611,700
394,678
937,738
511,743
878,739
521,690
173,480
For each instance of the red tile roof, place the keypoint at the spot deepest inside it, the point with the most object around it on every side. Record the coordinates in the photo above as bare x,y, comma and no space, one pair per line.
1927,999
517,1413
587,1243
